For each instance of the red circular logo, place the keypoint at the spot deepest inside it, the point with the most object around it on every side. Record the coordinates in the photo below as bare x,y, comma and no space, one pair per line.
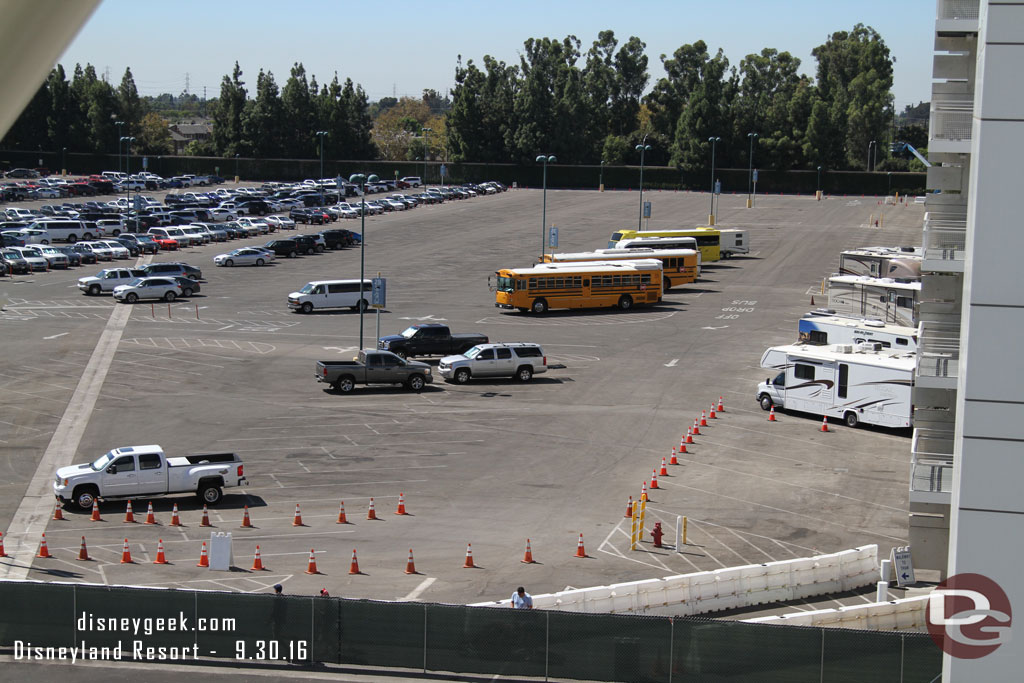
968,616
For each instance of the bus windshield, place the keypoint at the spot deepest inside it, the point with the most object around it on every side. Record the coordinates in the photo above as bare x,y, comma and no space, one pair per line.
506,284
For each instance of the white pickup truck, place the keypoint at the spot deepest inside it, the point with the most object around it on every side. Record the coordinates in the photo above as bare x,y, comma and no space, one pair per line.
145,472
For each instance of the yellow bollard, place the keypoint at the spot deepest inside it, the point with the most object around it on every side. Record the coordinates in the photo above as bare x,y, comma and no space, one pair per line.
632,527
684,531
643,517
881,220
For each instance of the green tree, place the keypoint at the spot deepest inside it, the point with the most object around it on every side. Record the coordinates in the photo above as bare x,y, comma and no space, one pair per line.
672,92
62,111
129,104
30,129
299,139
703,117
616,150
264,120
482,120
227,136
154,135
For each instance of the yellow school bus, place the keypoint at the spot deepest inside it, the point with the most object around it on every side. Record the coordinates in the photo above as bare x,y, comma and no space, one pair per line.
679,266
708,239
621,284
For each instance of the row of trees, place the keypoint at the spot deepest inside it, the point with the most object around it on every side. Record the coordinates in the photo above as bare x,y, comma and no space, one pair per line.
587,108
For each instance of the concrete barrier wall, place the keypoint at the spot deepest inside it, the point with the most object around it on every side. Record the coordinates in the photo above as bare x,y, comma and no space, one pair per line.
722,589
907,614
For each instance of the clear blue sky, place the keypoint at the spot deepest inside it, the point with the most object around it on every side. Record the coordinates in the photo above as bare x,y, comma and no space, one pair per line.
403,48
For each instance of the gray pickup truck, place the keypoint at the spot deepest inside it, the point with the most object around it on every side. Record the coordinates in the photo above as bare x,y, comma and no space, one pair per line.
373,367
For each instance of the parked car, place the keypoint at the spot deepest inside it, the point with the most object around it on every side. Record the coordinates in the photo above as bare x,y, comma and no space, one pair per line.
287,248
164,288
246,256
119,250
373,367
100,252
520,360
84,253
31,235
412,181
165,243
14,262
74,258
307,245
173,268
143,243
108,279
187,284
54,257
338,239
34,259
22,173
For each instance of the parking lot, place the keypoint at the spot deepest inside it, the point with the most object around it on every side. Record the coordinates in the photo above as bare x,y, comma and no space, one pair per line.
490,463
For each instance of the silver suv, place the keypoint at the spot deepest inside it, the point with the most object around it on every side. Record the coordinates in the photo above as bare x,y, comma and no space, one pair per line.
521,360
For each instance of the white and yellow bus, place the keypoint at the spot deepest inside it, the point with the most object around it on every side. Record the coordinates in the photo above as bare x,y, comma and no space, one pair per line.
597,284
708,239
679,266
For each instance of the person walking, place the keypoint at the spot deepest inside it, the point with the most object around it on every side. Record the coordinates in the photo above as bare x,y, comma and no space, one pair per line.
521,599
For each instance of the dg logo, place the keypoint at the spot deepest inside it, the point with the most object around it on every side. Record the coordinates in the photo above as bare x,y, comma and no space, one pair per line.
969,616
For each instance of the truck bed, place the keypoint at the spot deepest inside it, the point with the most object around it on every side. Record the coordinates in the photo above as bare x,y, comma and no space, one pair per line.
202,459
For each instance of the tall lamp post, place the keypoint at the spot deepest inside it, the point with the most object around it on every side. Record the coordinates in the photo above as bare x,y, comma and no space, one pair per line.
818,193
870,145
320,181
600,178
120,125
642,147
714,141
64,161
544,159
425,148
361,180
128,169
236,168
750,171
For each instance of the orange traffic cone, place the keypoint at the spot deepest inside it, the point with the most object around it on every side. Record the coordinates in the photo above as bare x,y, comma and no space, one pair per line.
2,553
696,427
580,552
95,512
83,552
663,472
643,492
58,512
689,436
341,514
703,419
175,519
721,406
824,423
654,479
371,513
410,566
204,559
150,517
674,460
528,555
297,520
257,561
311,567
353,568
126,554
711,412
206,517
129,517
771,414
629,508
246,522
468,564
43,550
401,505
161,558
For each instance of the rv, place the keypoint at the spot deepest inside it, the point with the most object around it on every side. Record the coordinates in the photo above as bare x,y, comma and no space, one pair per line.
848,382
899,263
885,299
733,241
821,329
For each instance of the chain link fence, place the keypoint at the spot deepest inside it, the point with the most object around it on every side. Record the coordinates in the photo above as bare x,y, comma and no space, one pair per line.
178,625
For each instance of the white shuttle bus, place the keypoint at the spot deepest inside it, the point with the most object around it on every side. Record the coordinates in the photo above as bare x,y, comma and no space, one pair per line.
853,383
891,301
821,329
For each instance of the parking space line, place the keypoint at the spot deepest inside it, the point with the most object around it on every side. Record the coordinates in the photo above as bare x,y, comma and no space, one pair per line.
418,590
341,485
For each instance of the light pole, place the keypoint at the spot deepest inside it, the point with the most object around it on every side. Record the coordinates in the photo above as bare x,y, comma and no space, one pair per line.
600,178
361,180
750,171
714,141
236,168
888,189
320,181
120,125
642,147
64,161
544,159
870,145
128,169
425,148
818,193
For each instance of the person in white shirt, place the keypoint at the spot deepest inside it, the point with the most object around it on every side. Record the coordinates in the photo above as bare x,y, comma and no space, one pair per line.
521,599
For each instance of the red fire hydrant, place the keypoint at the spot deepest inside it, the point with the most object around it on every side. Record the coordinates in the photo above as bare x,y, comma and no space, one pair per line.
656,534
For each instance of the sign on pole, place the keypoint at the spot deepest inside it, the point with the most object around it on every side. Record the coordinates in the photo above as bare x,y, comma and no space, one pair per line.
647,209
553,237
718,187
379,292
903,565
444,170
755,175
145,163
138,202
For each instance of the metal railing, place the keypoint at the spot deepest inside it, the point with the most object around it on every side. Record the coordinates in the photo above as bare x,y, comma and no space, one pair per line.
931,466
951,117
958,9
938,350
945,236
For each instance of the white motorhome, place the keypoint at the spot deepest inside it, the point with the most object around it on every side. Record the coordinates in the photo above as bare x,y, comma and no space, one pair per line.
900,263
853,383
891,301
733,241
822,329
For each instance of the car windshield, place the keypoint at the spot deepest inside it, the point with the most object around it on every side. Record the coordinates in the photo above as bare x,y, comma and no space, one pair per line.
306,289
11,254
473,352
135,282
102,461
410,332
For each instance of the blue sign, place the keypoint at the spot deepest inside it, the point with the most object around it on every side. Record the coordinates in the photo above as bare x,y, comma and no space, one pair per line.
379,292
444,170
755,175
553,237
647,209
138,202
718,187
145,162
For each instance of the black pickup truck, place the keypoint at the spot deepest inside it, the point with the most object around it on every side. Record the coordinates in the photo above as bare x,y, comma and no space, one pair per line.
430,339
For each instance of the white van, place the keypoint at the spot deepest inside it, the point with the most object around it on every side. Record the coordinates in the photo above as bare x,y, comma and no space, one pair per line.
330,294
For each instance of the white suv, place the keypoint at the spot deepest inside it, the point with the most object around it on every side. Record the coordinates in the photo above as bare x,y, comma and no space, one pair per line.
521,360
164,288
